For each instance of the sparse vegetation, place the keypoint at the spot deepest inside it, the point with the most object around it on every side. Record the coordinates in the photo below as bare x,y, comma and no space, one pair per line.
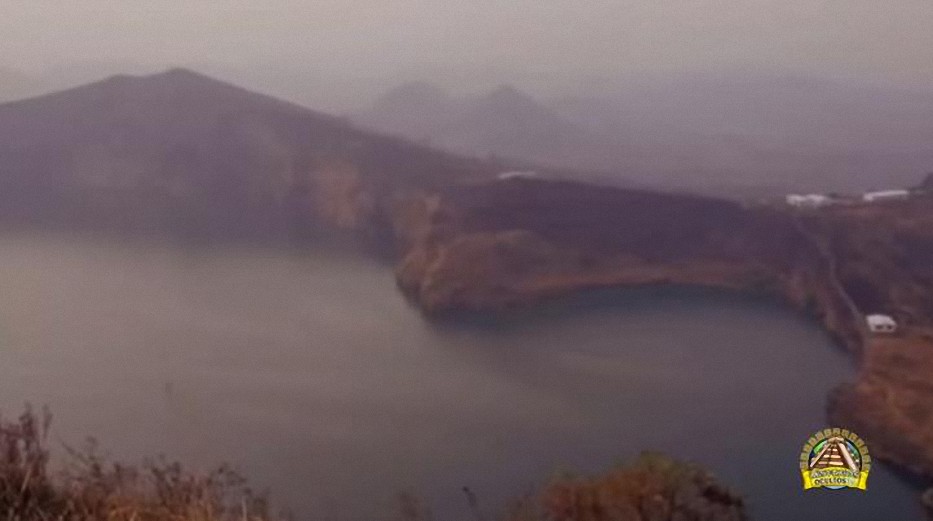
653,488
92,489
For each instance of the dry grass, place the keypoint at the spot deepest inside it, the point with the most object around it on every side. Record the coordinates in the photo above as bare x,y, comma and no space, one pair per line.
92,489
654,488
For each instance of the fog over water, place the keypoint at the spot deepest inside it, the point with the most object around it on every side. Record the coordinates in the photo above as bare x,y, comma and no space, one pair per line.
311,374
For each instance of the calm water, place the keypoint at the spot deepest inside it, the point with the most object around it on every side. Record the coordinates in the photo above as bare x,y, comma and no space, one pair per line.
314,377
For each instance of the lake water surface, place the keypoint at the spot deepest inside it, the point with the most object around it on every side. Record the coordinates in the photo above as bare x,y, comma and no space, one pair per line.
312,375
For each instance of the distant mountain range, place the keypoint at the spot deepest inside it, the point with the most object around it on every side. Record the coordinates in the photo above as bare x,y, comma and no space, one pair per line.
505,122
720,134
182,151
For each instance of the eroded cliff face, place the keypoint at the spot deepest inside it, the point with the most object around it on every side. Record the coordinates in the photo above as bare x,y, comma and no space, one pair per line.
480,270
510,243
890,403
339,195
513,242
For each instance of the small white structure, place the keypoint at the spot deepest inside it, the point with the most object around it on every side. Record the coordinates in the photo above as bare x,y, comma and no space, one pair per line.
518,174
886,195
809,200
881,324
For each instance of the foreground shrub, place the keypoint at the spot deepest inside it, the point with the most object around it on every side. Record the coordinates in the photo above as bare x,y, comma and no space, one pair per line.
653,488
91,489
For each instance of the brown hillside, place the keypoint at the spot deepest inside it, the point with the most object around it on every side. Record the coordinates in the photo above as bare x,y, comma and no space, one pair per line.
181,151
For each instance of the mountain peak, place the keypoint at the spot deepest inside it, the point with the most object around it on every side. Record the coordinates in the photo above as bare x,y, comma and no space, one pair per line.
180,72
510,93
507,101
508,97
176,89
418,87
222,159
412,94
176,76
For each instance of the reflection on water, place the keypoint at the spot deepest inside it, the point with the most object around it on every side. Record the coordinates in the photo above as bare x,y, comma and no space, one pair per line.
313,376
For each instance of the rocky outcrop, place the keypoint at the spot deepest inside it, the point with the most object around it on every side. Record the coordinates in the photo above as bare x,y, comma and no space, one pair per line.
340,197
516,242
889,404
479,270
884,254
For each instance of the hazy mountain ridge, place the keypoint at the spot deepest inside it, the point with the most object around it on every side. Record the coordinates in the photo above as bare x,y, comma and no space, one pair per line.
504,122
726,134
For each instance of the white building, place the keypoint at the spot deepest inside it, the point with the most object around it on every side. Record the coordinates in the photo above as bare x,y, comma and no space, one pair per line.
809,200
881,324
518,174
886,195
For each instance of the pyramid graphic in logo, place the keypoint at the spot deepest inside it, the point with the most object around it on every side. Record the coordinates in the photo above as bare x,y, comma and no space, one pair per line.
835,453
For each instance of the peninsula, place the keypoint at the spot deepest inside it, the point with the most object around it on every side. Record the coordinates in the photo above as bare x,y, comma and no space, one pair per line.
514,242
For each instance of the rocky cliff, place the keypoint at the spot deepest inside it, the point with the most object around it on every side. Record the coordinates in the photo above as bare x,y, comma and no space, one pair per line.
509,243
885,256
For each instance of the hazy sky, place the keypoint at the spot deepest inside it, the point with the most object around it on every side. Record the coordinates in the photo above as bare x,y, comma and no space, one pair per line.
886,40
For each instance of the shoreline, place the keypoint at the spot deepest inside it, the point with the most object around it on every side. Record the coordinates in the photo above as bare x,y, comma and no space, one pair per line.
462,257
